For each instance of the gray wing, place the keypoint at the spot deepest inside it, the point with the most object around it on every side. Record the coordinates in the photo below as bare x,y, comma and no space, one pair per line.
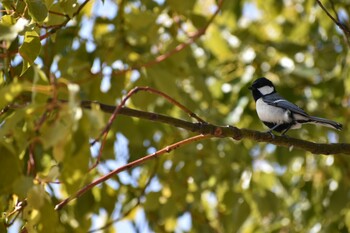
278,101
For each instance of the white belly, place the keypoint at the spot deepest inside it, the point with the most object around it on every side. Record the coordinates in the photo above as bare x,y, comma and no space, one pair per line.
272,114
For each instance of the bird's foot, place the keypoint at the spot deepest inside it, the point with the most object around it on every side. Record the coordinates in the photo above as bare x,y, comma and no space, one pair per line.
271,134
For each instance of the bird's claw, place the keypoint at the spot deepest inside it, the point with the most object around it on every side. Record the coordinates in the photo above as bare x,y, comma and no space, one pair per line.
271,134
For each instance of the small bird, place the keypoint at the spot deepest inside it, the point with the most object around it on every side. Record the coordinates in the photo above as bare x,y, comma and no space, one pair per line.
279,114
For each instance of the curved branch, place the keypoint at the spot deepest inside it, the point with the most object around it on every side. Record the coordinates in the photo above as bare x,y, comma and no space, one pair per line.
134,207
122,104
132,164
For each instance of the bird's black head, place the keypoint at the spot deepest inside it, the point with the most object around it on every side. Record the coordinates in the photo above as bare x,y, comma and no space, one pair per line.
261,87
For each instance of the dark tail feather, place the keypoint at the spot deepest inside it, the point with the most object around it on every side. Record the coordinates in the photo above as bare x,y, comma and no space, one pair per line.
325,122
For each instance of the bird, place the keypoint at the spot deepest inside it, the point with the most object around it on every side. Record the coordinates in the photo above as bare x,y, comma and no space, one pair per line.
279,114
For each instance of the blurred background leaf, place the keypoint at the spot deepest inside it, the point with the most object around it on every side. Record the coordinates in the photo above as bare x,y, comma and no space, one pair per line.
219,185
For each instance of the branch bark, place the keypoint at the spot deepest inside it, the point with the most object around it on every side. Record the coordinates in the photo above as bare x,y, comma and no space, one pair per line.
229,131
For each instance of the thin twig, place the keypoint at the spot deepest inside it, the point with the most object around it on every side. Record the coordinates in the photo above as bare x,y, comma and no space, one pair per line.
334,10
154,91
177,49
59,13
53,29
342,26
31,161
132,164
110,223
122,104
20,205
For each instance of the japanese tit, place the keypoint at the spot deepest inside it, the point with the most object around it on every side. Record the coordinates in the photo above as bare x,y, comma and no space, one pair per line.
279,114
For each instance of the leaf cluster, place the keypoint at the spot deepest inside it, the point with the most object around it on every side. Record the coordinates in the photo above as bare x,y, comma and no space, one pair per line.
99,50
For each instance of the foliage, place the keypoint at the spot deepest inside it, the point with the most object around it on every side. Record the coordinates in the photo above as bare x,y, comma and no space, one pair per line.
99,50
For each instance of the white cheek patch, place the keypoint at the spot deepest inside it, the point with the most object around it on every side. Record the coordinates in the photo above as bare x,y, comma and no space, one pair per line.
265,90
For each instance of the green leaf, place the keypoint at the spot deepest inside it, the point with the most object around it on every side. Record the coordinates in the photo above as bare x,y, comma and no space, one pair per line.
9,93
152,201
30,49
10,169
13,120
184,6
217,45
22,185
142,21
8,31
198,20
55,133
347,219
69,6
37,9
3,228
49,221
110,196
162,78
7,4
54,19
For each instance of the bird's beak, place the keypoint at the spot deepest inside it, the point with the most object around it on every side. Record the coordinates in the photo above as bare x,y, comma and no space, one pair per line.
250,88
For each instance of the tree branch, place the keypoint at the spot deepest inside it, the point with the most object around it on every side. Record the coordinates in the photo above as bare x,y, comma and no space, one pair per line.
133,208
122,104
178,48
336,20
205,131
132,164
233,132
